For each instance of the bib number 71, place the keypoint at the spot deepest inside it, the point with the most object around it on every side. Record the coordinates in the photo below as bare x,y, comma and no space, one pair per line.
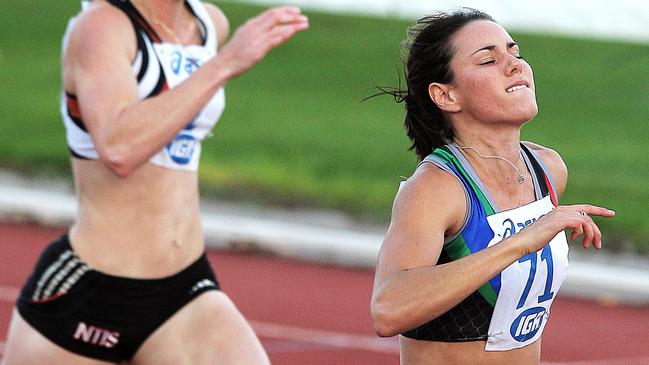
546,255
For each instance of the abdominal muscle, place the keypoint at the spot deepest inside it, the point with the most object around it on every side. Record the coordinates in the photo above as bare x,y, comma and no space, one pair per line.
418,352
146,225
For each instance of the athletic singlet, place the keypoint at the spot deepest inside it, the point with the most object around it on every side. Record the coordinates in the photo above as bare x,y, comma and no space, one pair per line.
158,66
510,310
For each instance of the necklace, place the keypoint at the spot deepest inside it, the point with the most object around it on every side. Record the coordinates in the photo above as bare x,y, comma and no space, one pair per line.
521,177
157,22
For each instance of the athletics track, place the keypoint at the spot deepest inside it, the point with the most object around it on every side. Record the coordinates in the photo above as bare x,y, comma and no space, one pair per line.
317,314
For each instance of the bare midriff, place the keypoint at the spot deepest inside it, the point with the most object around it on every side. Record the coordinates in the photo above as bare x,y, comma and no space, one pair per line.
146,225
473,352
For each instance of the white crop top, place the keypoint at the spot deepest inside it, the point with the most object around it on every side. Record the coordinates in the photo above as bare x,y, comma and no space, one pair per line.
158,66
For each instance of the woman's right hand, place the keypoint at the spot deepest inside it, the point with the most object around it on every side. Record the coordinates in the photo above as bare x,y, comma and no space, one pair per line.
257,36
576,217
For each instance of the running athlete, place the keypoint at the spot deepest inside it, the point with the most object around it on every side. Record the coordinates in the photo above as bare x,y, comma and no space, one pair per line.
129,283
476,250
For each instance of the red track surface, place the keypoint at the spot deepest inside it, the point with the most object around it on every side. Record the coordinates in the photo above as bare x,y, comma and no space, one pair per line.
314,314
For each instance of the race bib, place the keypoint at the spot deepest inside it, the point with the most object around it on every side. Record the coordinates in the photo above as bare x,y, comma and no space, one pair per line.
178,63
529,285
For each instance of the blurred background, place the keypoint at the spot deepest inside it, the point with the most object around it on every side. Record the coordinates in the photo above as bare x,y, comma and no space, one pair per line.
297,136
296,132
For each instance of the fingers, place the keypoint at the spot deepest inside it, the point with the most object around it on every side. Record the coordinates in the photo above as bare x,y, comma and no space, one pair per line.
588,232
281,16
577,231
277,25
595,210
575,217
282,23
597,240
282,33
584,225
257,36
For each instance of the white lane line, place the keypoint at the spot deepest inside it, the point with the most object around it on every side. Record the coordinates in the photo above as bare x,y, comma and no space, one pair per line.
277,346
328,338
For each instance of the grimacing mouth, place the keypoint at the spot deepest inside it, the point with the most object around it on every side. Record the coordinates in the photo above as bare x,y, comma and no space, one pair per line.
517,86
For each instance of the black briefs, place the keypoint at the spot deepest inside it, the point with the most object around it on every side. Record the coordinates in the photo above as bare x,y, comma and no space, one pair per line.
102,316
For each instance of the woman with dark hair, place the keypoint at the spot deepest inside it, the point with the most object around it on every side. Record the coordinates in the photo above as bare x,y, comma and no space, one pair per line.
130,282
476,251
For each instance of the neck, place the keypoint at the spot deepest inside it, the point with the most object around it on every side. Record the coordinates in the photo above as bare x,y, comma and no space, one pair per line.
502,141
163,6
496,151
170,13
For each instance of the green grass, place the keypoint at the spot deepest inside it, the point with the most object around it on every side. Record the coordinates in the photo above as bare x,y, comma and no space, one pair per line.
296,133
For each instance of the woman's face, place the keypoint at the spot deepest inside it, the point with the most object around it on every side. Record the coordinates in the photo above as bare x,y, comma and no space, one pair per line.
491,82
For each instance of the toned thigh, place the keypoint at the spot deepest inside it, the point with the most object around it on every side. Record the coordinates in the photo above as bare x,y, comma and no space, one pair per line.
25,346
208,330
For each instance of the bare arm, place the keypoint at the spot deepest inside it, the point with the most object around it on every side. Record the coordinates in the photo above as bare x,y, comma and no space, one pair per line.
127,132
410,289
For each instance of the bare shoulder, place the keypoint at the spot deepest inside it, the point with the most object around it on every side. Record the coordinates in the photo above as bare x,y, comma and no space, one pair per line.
555,164
431,201
221,22
100,36
102,25
431,184
101,19
429,206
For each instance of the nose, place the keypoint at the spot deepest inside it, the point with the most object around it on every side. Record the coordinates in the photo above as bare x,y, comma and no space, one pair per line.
515,65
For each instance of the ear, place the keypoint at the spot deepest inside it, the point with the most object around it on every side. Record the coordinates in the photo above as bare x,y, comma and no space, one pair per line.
443,95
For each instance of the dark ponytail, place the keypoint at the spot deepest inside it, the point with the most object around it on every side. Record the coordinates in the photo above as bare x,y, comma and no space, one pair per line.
428,53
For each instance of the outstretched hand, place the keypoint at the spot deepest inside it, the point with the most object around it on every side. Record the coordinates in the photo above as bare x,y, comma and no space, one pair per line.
257,36
575,217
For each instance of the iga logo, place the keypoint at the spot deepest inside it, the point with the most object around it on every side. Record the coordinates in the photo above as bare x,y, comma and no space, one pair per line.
181,148
527,324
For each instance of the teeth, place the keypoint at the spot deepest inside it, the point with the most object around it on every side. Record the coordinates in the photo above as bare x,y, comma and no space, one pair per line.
514,88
